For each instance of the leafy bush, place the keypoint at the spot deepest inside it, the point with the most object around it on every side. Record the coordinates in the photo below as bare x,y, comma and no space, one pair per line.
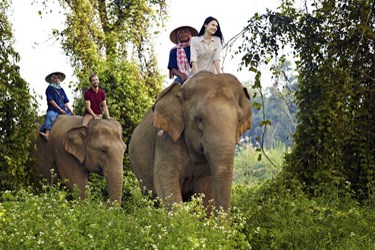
334,141
48,221
264,216
282,218
279,215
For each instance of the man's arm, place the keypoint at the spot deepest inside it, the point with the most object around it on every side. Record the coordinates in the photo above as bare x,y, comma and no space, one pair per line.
54,104
68,107
179,74
105,109
88,108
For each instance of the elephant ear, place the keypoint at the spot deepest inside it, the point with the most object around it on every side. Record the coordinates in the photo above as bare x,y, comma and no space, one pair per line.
168,111
246,119
75,143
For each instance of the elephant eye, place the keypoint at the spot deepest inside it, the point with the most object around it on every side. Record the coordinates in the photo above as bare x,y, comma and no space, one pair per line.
200,123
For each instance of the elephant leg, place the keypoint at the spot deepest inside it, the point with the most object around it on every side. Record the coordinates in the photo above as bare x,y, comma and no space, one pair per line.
79,181
203,185
167,186
75,176
170,161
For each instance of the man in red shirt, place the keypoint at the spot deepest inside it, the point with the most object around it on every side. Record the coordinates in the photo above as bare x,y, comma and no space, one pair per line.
95,102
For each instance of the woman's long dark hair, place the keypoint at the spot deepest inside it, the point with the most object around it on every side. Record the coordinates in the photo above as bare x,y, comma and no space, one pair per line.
218,31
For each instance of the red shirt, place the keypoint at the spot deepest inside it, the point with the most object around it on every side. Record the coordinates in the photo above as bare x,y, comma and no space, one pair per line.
95,99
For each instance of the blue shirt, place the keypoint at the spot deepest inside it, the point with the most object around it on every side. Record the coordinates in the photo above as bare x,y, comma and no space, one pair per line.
172,64
53,96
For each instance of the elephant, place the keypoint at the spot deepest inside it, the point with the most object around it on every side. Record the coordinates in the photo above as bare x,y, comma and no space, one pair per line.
73,151
202,121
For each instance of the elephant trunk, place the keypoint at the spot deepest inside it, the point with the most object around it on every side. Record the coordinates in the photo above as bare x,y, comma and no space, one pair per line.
221,165
114,183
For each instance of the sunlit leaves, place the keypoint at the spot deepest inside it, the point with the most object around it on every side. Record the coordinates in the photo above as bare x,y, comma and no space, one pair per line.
114,40
256,105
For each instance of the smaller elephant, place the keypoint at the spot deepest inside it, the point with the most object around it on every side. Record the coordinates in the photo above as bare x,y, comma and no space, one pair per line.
73,151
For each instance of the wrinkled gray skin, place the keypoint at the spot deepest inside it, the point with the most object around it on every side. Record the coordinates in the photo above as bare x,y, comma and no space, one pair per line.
73,151
203,120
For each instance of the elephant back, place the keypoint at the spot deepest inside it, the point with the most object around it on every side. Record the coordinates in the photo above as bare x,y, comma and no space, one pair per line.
66,122
209,85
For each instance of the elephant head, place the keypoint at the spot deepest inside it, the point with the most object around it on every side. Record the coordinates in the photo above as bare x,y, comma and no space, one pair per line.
209,113
100,149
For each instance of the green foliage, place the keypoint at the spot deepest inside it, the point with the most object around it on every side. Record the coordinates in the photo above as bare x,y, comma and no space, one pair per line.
274,214
98,32
267,216
114,39
17,111
334,148
334,48
49,221
273,119
131,194
249,170
100,29
281,218
128,95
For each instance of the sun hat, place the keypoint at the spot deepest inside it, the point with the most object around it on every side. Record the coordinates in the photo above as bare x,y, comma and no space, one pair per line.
173,35
49,77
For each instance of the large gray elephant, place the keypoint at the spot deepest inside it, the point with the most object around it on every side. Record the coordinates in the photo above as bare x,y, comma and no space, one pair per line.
202,120
73,151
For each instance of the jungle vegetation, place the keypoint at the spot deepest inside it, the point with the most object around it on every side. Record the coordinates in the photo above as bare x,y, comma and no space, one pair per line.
333,44
317,192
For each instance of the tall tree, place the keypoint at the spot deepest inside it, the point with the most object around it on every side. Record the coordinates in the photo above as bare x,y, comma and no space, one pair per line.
17,111
334,47
114,39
